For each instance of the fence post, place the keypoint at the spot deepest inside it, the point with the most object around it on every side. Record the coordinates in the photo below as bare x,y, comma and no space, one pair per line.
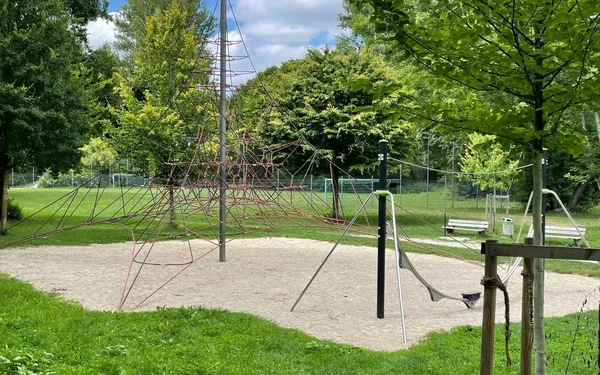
489,312
527,313
400,188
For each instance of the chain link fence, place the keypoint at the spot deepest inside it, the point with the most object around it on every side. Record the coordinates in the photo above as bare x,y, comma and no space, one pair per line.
73,179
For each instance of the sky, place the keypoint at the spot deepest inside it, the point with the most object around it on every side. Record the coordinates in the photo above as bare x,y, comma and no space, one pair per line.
273,30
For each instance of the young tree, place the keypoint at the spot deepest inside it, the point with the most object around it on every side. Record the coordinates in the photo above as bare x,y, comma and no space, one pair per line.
42,97
160,101
484,159
535,62
98,154
146,128
134,15
535,59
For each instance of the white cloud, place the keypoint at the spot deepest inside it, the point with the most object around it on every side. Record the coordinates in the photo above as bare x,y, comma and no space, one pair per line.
277,31
273,31
100,32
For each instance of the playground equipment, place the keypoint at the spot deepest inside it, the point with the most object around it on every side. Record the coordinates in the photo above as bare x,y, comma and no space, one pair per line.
491,204
402,261
563,208
575,228
492,250
193,199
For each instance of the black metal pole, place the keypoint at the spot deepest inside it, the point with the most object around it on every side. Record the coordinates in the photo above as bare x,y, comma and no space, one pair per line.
223,133
383,151
544,186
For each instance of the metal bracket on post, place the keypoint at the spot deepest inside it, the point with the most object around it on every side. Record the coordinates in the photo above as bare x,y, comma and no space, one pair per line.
381,193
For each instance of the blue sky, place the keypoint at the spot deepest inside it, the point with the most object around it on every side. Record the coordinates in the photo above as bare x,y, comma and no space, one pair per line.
274,30
114,6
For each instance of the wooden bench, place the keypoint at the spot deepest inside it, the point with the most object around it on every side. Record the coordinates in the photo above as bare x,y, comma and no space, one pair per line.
469,225
562,232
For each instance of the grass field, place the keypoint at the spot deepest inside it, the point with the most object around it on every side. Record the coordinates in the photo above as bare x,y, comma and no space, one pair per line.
42,334
416,217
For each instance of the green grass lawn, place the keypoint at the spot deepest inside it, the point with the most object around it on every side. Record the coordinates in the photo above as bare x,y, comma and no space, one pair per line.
94,206
419,221
43,334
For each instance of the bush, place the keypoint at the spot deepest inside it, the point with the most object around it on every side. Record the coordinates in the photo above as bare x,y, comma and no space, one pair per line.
46,180
15,211
68,179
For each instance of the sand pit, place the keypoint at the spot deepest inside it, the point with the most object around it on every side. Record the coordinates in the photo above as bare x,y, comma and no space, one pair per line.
265,276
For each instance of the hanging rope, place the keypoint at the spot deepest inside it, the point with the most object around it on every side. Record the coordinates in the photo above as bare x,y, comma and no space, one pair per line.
495,282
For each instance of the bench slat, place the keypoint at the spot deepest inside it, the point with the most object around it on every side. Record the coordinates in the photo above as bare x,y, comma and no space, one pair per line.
463,228
460,222
564,230
468,225
560,232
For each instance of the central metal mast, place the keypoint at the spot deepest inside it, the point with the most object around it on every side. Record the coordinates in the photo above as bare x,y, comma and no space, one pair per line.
223,131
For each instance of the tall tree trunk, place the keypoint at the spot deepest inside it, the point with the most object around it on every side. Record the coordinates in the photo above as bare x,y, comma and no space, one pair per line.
335,213
4,170
5,166
539,334
597,118
577,194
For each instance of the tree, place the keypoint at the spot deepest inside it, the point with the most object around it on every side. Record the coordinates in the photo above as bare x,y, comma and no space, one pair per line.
42,98
579,185
573,179
148,129
100,67
97,153
84,11
484,159
161,106
134,15
314,103
535,59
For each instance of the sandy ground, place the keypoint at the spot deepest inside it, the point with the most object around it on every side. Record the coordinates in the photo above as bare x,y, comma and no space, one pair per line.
265,276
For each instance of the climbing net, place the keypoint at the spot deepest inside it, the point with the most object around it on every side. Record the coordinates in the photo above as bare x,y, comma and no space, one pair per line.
267,190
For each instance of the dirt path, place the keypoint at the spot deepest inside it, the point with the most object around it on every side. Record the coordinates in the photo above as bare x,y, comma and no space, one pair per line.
265,276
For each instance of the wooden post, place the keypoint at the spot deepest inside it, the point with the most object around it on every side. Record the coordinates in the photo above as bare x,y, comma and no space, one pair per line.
526,313
492,249
489,313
